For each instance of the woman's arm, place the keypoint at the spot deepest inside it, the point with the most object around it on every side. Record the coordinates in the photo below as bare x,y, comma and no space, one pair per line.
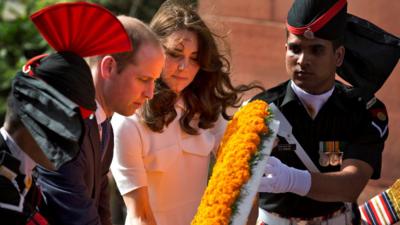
138,208
129,171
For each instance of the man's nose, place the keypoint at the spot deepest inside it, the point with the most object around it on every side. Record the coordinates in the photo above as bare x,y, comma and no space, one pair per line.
303,59
149,91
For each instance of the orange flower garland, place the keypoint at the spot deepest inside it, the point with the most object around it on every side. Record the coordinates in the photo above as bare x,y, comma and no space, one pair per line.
232,169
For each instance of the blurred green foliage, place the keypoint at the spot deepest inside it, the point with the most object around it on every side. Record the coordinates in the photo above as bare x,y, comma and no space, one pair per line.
20,41
141,9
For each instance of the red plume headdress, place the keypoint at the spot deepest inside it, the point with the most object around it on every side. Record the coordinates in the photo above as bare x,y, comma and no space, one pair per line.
83,28
53,93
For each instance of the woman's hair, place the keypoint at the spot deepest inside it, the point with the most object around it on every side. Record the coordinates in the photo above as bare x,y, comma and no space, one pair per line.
211,91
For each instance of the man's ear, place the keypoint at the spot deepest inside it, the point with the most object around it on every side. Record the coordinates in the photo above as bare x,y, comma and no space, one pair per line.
108,66
339,54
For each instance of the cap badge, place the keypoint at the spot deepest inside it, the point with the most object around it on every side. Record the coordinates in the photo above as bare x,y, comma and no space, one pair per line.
309,34
330,153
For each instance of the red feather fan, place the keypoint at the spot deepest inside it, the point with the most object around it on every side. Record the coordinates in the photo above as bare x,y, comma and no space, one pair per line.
83,28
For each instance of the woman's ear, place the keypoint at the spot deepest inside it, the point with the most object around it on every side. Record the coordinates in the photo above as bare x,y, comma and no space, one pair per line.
108,66
339,54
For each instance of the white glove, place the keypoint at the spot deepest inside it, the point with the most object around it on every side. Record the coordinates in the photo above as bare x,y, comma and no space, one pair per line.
279,178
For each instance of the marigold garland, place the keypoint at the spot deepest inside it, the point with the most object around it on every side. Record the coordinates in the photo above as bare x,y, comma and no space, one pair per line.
394,195
232,169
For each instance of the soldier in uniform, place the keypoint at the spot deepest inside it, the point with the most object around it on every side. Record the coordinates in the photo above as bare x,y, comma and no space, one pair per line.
20,199
49,101
343,136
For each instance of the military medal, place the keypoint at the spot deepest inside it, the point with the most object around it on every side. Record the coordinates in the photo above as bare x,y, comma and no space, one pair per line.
335,159
330,154
323,159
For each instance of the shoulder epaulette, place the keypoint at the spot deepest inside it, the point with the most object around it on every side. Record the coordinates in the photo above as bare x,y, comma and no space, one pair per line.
9,166
379,117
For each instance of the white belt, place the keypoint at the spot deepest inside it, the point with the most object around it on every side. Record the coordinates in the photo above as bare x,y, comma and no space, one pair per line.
272,219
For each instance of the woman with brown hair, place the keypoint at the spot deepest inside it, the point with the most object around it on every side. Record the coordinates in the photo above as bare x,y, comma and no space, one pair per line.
162,153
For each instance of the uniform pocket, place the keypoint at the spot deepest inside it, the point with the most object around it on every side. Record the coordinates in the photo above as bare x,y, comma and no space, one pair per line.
200,145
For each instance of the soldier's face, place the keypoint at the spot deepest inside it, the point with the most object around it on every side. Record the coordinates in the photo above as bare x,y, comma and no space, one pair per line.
312,63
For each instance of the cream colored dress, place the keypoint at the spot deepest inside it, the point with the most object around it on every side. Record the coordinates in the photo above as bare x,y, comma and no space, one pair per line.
172,164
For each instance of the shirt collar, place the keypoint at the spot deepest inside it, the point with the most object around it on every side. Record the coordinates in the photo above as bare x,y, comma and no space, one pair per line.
289,95
334,99
27,163
316,101
100,114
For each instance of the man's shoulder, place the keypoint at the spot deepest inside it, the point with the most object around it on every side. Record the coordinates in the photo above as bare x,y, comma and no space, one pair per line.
272,94
354,102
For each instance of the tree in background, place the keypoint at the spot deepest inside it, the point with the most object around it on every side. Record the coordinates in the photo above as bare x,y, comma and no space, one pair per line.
19,41
141,9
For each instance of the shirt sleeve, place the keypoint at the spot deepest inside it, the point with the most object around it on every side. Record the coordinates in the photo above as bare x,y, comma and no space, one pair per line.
370,137
127,166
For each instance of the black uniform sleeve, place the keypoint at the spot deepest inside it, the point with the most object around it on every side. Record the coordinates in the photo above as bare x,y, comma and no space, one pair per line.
368,142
